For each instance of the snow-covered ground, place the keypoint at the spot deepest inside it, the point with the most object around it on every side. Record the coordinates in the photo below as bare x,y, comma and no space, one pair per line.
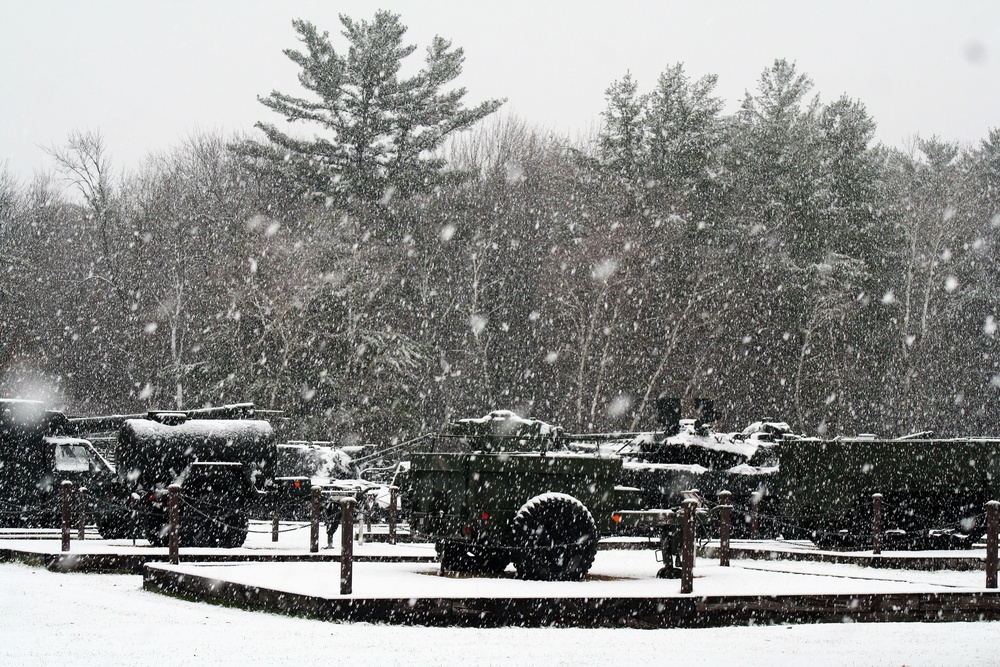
108,619
102,619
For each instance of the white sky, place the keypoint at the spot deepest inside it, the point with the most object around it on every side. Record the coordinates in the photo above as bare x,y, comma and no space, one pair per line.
149,73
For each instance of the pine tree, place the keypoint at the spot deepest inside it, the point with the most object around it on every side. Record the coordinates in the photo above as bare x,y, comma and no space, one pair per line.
776,162
380,129
684,131
622,144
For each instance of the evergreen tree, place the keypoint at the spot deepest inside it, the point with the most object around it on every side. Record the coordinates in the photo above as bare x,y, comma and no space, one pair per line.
776,163
622,144
987,177
684,130
380,129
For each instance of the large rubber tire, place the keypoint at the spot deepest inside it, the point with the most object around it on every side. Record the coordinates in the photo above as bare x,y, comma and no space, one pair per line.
229,531
156,532
557,538
828,538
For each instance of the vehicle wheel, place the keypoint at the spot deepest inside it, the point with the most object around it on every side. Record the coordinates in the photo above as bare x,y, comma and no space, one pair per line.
157,533
830,539
233,534
557,537
228,530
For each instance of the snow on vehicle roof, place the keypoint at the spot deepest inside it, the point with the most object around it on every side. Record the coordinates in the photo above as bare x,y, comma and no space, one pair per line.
506,421
232,429
679,467
767,426
688,437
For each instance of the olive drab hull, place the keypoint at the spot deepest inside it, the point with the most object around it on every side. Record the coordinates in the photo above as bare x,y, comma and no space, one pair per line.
928,487
474,497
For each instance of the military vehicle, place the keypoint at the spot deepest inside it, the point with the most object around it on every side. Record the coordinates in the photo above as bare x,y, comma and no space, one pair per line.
223,458
517,496
933,490
689,455
224,467
35,456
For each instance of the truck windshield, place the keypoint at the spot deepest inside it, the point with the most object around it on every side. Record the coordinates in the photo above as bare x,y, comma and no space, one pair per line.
72,458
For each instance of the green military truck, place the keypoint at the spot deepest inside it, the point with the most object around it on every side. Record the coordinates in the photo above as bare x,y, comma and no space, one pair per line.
36,454
514,493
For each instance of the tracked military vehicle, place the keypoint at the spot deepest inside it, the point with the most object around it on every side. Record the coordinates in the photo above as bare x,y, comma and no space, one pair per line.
934,490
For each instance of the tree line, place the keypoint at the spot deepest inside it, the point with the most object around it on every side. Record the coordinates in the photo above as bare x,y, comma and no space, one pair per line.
395,259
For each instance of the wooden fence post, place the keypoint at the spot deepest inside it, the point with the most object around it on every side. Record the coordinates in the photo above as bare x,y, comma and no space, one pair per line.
369,510
314,494
175,523
359,528
346,545
755,515
992,514
66,489
877,534
687,546
393,499
725,526
274,523
81,526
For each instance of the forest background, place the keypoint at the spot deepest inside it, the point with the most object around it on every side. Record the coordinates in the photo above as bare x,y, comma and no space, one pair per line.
394,259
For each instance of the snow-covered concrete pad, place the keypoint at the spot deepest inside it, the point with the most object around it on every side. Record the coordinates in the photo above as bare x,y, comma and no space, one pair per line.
621,590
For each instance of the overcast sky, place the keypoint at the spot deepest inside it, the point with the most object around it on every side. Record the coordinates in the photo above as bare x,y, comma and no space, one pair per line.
147,74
